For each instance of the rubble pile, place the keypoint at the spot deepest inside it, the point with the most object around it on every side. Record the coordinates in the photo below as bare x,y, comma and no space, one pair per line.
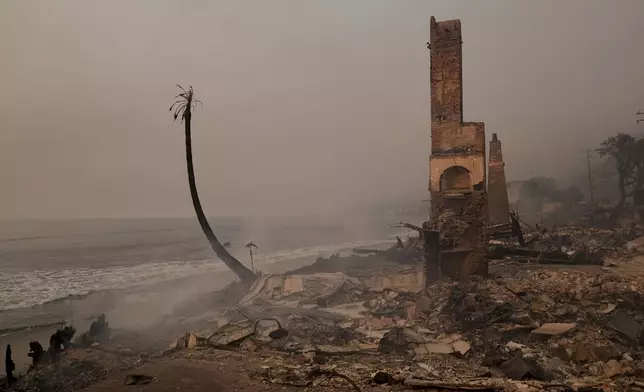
557,245
570,245
572,239
538,330
451,226
77,374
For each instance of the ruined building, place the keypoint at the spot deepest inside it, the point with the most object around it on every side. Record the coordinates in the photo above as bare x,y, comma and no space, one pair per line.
457,163
498,203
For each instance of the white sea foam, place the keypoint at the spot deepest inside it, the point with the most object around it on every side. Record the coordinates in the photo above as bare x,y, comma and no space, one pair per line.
26,289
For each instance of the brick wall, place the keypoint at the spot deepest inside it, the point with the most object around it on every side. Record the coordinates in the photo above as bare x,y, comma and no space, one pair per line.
455,143
498,202
446,75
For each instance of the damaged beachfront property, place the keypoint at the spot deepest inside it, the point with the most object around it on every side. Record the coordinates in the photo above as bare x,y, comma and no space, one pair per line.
408,317
457,181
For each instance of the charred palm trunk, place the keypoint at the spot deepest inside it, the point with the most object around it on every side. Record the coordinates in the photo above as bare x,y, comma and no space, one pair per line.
244,274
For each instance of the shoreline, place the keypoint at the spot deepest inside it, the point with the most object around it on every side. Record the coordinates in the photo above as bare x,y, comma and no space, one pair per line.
123,306
80,306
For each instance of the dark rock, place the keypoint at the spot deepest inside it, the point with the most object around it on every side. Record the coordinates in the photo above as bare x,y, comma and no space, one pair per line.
278,333
562,353
137,379
493,358
519,368
607,353
383,378
625,325
394,341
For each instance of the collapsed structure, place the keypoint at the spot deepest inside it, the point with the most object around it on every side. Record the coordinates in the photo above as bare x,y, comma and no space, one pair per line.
365,322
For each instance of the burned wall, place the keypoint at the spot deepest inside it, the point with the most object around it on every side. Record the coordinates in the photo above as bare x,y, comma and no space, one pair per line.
457,174
498,202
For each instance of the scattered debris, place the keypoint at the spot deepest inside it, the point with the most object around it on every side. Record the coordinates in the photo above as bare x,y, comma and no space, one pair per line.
526,329
522,368
553,329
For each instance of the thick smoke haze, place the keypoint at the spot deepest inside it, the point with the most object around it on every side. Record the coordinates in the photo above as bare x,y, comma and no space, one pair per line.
310,107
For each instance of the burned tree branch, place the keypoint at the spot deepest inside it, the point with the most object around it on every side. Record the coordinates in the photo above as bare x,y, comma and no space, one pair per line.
409,226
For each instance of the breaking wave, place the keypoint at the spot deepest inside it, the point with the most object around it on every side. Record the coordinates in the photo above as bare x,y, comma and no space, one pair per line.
32,288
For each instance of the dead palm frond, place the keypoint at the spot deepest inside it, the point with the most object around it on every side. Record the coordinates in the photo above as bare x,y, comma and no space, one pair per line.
250,245
184,103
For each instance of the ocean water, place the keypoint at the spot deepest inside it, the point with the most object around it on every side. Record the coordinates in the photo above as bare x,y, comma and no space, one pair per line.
52,271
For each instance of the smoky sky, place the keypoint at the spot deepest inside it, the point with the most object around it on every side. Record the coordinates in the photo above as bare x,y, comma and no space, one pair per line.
310,107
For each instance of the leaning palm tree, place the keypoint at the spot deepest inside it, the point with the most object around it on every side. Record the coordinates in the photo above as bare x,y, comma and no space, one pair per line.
183,106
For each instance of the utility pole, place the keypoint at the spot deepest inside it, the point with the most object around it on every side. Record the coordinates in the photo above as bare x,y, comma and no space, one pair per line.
639,113
590,178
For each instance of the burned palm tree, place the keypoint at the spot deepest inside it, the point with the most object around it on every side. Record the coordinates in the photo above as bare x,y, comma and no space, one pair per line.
9,366
183,106
250,247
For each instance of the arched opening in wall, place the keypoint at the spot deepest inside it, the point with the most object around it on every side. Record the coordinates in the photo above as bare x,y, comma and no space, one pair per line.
456,179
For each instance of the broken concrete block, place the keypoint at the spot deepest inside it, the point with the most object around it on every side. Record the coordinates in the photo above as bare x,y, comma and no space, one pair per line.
625,325
412,336
434,348
541,303
182,342
231,333
553,329
461,346
582,353
612,368
514,346
635,244
192,341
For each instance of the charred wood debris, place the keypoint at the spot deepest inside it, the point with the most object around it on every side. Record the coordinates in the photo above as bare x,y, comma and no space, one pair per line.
536,322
